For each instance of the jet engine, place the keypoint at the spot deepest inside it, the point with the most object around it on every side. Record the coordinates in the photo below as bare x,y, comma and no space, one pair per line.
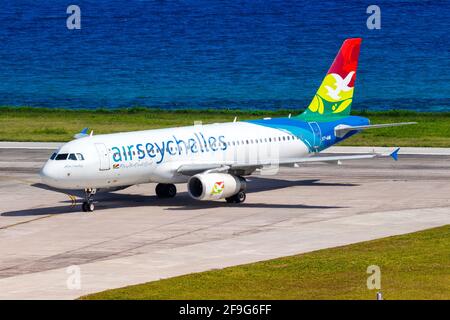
215,186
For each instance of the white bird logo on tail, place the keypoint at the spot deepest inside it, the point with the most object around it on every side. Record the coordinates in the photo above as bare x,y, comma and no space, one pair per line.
341,85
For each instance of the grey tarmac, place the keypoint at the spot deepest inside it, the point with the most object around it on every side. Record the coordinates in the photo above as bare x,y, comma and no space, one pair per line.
134,237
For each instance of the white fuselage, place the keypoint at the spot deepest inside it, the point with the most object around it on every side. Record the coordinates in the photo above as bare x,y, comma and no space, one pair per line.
129,158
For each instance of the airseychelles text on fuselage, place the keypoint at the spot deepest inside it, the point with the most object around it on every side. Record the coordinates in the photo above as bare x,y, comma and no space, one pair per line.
158,151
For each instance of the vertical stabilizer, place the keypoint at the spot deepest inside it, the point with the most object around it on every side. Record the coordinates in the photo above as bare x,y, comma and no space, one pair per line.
335,94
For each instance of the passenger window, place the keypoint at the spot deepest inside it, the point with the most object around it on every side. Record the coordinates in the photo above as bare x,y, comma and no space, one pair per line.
72,157
53,156
80,156
61,156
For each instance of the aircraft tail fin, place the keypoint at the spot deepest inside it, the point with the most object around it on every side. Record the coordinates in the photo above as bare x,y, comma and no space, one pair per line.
335,94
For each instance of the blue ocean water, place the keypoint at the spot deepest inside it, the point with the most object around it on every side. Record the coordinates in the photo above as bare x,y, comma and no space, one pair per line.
220,54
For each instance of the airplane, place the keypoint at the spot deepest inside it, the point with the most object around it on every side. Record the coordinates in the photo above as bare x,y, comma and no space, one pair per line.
214,159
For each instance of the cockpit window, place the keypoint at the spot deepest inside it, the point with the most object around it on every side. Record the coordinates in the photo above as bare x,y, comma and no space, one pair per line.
61,156
80,156
72,157
53,156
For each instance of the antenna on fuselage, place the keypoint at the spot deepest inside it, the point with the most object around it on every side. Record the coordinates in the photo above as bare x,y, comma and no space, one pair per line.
235,119
92,133
289,116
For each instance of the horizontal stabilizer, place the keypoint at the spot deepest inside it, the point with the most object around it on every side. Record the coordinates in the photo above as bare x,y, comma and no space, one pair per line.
342,130
394,154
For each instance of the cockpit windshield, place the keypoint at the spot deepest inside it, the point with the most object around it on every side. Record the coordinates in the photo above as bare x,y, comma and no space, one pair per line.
67,156
61,156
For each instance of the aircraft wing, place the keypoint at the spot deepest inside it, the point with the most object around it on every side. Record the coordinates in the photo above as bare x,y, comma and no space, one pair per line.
192,169
342,130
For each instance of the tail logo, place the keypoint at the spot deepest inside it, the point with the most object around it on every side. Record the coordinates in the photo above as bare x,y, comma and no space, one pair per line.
334,93
341,85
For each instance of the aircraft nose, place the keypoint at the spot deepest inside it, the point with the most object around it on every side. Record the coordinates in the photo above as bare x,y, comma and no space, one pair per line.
46,174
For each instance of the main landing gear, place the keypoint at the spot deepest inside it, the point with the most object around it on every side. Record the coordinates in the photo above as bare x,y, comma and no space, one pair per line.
241,195
88,204
237,198
166,190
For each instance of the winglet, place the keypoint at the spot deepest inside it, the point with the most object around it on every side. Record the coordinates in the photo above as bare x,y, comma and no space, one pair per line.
81,134
394,154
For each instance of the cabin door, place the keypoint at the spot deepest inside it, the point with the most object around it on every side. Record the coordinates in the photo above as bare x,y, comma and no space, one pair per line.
103,156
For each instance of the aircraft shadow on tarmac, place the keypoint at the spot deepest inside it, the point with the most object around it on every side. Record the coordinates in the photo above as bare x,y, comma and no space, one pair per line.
110,200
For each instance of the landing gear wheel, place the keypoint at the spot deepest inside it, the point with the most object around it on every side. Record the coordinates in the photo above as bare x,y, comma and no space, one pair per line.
166,190
237,198
230,199
240,197
88,206
171,190
160,190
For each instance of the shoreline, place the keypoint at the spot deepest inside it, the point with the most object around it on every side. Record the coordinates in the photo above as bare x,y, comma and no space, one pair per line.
252,111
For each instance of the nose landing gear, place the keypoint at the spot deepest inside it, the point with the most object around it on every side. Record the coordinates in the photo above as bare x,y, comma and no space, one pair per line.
88,204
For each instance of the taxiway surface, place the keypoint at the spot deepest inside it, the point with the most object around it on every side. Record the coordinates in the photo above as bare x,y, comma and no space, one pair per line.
133,237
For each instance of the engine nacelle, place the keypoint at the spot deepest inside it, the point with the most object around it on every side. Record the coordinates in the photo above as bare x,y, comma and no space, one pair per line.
214,186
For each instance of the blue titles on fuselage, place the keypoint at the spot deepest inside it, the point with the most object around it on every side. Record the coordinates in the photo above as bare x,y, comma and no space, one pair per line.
159,150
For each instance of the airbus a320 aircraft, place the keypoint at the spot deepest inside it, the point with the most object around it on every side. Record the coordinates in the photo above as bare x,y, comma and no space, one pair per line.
213,159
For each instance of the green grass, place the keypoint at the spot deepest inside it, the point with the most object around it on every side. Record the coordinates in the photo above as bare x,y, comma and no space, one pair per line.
39,124
413,266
